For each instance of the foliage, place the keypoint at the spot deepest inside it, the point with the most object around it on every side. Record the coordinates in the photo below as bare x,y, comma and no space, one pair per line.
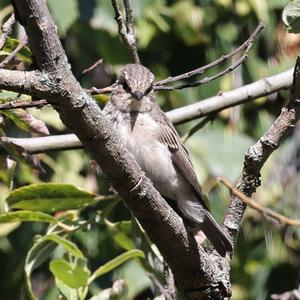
62,230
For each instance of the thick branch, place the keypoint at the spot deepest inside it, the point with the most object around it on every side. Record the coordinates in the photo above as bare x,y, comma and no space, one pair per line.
25,82
257,155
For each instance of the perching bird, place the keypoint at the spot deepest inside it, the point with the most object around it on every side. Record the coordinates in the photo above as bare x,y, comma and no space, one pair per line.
150,136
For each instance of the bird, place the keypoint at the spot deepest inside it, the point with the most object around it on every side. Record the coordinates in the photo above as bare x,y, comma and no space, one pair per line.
151,138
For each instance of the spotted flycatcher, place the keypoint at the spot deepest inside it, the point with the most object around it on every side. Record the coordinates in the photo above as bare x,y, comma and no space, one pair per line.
155,144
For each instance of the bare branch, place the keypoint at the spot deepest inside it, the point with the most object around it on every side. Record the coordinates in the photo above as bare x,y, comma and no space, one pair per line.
91,68
95,91
181,115
257,155
126,28
25,82
223,100
6,30
47,143
260,208
246,46
23,104
13,54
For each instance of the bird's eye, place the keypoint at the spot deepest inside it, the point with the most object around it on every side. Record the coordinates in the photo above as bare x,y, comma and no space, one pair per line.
125,86
149,89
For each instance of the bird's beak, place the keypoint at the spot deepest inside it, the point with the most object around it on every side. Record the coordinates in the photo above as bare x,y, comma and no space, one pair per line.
138,95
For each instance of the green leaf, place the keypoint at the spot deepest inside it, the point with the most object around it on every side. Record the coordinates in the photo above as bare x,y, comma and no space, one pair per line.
114,263
68,245
41,250
73,275
68,292
121,234
24,54
26,216
291,16
64,13
49,197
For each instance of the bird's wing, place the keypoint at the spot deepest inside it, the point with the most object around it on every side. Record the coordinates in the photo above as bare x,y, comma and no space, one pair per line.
168,135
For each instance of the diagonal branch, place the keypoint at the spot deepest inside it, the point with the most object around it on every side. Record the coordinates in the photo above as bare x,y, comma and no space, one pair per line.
246,46
126,28
267,212
257,155
6,30
13,54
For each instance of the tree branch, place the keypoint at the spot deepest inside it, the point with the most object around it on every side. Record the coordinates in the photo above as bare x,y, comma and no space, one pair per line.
267,212
181,115
6,30
13,54
244,94
25,82
257,155
126,28
246,46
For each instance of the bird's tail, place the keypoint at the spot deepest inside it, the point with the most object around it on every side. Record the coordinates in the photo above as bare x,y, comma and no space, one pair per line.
215,234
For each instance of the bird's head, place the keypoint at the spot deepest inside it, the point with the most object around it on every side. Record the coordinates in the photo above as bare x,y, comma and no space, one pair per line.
136,80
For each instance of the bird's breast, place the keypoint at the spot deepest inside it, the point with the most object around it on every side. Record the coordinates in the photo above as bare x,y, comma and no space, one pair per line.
139,134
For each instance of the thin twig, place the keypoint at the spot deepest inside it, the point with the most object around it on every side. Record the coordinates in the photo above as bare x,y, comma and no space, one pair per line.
126,29
23,104
6,30
91,68
96,91
263,210
13,54
246,46
42,102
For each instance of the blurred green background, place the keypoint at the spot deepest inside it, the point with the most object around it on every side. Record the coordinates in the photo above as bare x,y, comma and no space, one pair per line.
174,36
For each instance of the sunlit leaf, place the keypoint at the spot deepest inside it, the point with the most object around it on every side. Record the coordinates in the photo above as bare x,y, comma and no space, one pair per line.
64,13
41,250
73,274
26,216
49,197
114,263
24,54
291,16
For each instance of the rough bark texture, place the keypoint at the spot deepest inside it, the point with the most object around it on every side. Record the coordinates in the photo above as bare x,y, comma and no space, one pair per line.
257,155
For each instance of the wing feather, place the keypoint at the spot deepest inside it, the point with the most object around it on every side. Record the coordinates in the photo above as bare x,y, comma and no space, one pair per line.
180,157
